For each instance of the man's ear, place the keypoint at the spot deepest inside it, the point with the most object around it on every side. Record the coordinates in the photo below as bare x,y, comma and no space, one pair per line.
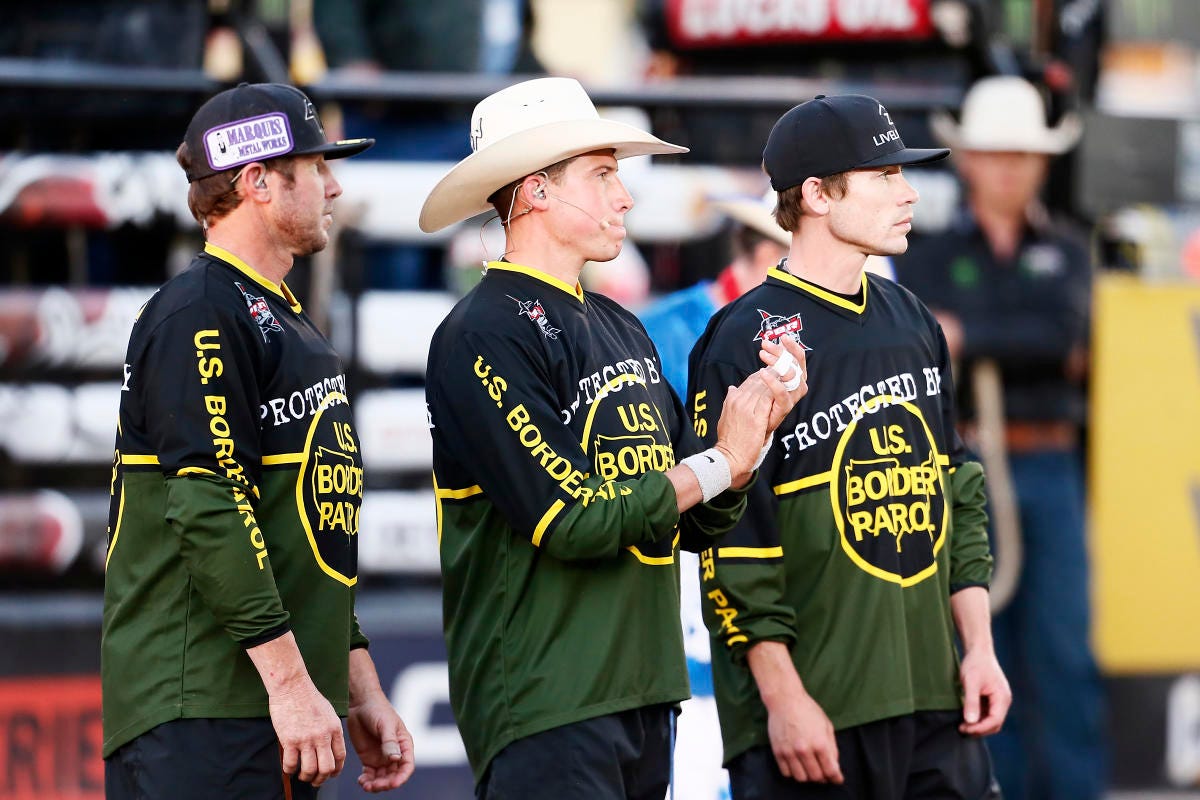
814,196
254,183
534,192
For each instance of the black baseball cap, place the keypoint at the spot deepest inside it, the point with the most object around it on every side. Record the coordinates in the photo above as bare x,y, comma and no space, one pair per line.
257,121
828,135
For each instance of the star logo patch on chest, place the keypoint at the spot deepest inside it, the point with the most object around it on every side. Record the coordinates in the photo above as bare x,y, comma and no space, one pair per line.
774,327
534,310
260,312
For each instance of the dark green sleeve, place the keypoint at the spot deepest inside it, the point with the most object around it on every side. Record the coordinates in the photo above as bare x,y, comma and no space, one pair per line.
970,556
742,579
217,542
202,403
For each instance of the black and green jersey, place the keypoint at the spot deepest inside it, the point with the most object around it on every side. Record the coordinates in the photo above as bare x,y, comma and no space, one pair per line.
552,425
236,484
865,517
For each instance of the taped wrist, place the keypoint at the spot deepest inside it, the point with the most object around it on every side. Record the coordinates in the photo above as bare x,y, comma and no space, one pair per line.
762,454
711,469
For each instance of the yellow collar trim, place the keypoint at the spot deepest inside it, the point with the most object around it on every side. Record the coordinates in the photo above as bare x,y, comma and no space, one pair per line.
280,290
813,289
576,291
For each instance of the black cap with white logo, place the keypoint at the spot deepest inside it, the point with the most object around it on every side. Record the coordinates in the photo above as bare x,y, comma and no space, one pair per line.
828,135
254,122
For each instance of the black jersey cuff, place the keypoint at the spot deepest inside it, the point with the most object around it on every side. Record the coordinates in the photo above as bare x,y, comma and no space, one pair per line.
958,587
269,635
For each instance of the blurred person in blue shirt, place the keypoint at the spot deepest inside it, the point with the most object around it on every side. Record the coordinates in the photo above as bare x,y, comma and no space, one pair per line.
1010,287
676,321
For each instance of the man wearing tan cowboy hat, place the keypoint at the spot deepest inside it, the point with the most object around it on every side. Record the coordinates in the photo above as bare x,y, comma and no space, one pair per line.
1011,288
566,471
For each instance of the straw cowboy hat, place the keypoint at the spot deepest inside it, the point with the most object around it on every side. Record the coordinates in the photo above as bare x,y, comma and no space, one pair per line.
520,130
755,214
1005,114
759,216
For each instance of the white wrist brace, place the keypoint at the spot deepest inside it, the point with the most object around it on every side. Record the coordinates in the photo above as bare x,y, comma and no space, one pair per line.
711,469
762,454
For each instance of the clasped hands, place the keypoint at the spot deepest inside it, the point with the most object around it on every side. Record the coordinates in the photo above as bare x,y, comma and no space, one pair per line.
753,411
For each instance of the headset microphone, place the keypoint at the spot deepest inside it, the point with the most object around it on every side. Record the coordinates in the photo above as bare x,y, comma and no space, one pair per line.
603,223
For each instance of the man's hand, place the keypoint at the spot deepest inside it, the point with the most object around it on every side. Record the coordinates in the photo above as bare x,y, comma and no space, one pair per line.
383,744
753,411
803,741
308,729
742,428
309,732
986,696
802,737
784,399
379,736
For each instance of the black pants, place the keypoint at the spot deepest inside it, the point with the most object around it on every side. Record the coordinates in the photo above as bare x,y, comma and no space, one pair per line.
622,756
919,756
201,759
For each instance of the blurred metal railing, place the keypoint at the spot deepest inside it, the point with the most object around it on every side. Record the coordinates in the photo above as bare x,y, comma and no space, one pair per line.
432,87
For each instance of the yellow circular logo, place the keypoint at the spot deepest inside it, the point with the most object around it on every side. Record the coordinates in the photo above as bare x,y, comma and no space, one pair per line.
635,441
329,489
888,497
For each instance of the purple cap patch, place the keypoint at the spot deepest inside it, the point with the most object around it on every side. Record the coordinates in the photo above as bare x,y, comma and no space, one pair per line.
246,140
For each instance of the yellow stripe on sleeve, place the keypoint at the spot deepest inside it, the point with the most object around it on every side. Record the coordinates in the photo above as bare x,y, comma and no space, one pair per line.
803,483
547,518
194,471
283,458
750,552
459,494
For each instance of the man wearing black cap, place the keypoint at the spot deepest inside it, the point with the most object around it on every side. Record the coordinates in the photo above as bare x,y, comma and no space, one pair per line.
230,644
834,602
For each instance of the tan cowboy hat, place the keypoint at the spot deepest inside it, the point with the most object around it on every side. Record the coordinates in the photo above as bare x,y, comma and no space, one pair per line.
759,216
520,130
756,214
1005,114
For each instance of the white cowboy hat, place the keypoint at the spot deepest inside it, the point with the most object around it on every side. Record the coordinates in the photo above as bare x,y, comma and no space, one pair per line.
1005,114
757,214
520,130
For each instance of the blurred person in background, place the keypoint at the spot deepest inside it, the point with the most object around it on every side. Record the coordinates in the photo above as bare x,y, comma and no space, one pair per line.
364,39
676,321
230,644
560,473
1010,287
835,602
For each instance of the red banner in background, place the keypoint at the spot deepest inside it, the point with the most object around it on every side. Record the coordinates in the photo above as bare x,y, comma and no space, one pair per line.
50,738
745,23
